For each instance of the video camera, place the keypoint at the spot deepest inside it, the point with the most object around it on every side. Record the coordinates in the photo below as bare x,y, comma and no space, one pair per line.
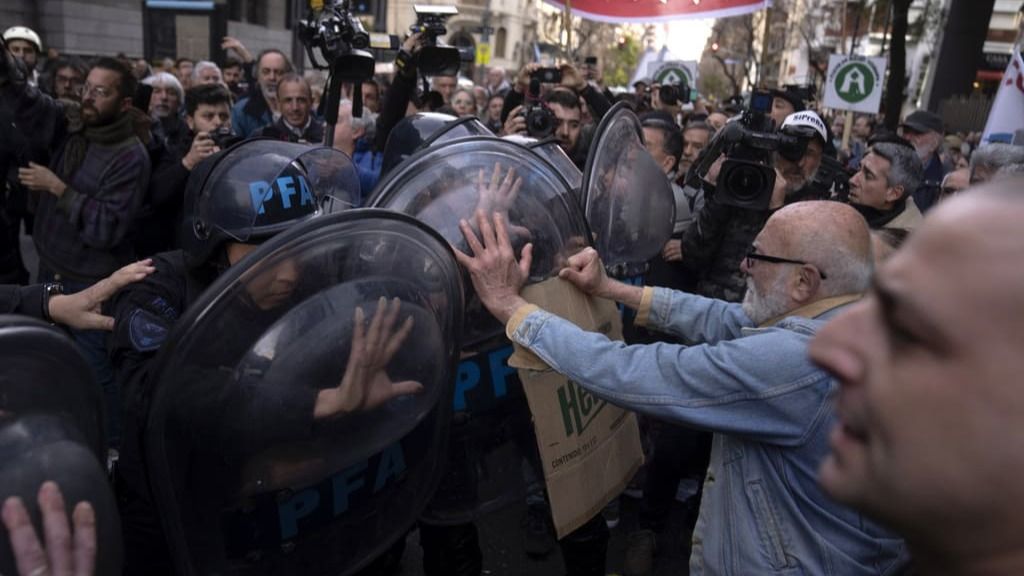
335,39
435,58
747,177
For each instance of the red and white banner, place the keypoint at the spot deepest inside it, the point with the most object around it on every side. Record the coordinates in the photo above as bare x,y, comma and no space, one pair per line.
619,11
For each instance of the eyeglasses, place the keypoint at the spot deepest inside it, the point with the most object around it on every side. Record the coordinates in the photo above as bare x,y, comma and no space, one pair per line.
90,91
753,255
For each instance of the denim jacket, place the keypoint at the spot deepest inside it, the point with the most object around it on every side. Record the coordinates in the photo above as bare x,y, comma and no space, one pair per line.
762,510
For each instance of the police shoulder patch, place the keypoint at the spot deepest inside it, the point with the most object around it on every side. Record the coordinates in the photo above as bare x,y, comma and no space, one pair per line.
146,330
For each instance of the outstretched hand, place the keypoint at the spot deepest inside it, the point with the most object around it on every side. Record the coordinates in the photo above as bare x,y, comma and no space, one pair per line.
67,551
81,310
366,384
497,276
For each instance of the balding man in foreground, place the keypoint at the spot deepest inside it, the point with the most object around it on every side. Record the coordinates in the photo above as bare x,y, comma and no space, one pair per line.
750,381
930,432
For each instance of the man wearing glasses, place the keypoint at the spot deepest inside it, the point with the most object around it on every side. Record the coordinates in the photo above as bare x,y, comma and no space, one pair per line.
748,379
89,197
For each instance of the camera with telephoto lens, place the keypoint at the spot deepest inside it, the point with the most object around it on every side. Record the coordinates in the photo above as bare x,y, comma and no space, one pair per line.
747,177
540,120
335,39
435,58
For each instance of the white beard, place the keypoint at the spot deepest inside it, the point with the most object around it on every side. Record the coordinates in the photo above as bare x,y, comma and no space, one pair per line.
763,307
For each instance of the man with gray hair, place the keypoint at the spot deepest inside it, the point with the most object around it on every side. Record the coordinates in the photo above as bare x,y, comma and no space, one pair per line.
990,158
882,189
749,380
206,72
168,130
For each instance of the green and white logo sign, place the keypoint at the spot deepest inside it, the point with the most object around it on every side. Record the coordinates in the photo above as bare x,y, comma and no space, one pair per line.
674,72
855,83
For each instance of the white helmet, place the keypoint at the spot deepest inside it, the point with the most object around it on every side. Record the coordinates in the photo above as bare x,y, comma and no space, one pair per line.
24,33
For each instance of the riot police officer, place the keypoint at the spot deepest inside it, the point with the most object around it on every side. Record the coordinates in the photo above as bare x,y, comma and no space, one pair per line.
234,200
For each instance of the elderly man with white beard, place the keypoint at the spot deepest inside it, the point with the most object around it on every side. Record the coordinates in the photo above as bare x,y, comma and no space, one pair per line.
748,379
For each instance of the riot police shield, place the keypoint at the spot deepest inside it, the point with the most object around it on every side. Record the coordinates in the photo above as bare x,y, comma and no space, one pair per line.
51,428
45,373
549,150
301,406
628,201
450,181
492,433
425,129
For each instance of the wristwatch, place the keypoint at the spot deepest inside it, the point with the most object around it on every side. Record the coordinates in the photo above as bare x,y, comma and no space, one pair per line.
50,289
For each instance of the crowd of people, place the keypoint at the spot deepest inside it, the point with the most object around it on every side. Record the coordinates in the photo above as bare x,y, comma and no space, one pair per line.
825,370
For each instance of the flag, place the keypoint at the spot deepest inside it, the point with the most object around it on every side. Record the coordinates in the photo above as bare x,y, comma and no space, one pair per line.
1007,115
643,11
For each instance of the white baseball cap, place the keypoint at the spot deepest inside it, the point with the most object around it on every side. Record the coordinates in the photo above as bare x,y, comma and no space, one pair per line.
807,119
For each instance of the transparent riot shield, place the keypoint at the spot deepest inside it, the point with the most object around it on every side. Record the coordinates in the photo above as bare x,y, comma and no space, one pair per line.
51,428
43,372
550,151
300,412
492,433
627,198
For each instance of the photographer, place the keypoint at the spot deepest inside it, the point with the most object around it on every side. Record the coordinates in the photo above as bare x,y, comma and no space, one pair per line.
562,102
714,246
208,119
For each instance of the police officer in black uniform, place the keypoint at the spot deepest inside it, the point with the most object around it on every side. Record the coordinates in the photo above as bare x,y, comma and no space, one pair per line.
234,200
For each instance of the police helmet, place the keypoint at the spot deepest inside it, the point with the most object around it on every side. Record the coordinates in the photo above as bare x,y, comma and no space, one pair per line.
258,188
423,129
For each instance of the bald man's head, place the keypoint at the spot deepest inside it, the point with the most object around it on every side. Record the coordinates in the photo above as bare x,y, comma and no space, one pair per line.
930,405
807,251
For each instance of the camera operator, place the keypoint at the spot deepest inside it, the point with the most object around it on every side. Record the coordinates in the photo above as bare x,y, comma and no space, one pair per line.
713,247
786,101
208,120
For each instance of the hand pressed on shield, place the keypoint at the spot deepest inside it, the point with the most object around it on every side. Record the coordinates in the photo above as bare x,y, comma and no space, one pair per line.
366,384
498,194
81,310
497,276
67,552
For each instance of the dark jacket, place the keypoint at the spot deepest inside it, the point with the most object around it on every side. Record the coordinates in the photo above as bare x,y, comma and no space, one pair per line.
156,226
84,235
251,113
24,300
312,134
716,244
927,194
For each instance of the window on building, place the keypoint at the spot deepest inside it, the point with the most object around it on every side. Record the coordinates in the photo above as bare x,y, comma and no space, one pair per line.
235,10
256,12
499,43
